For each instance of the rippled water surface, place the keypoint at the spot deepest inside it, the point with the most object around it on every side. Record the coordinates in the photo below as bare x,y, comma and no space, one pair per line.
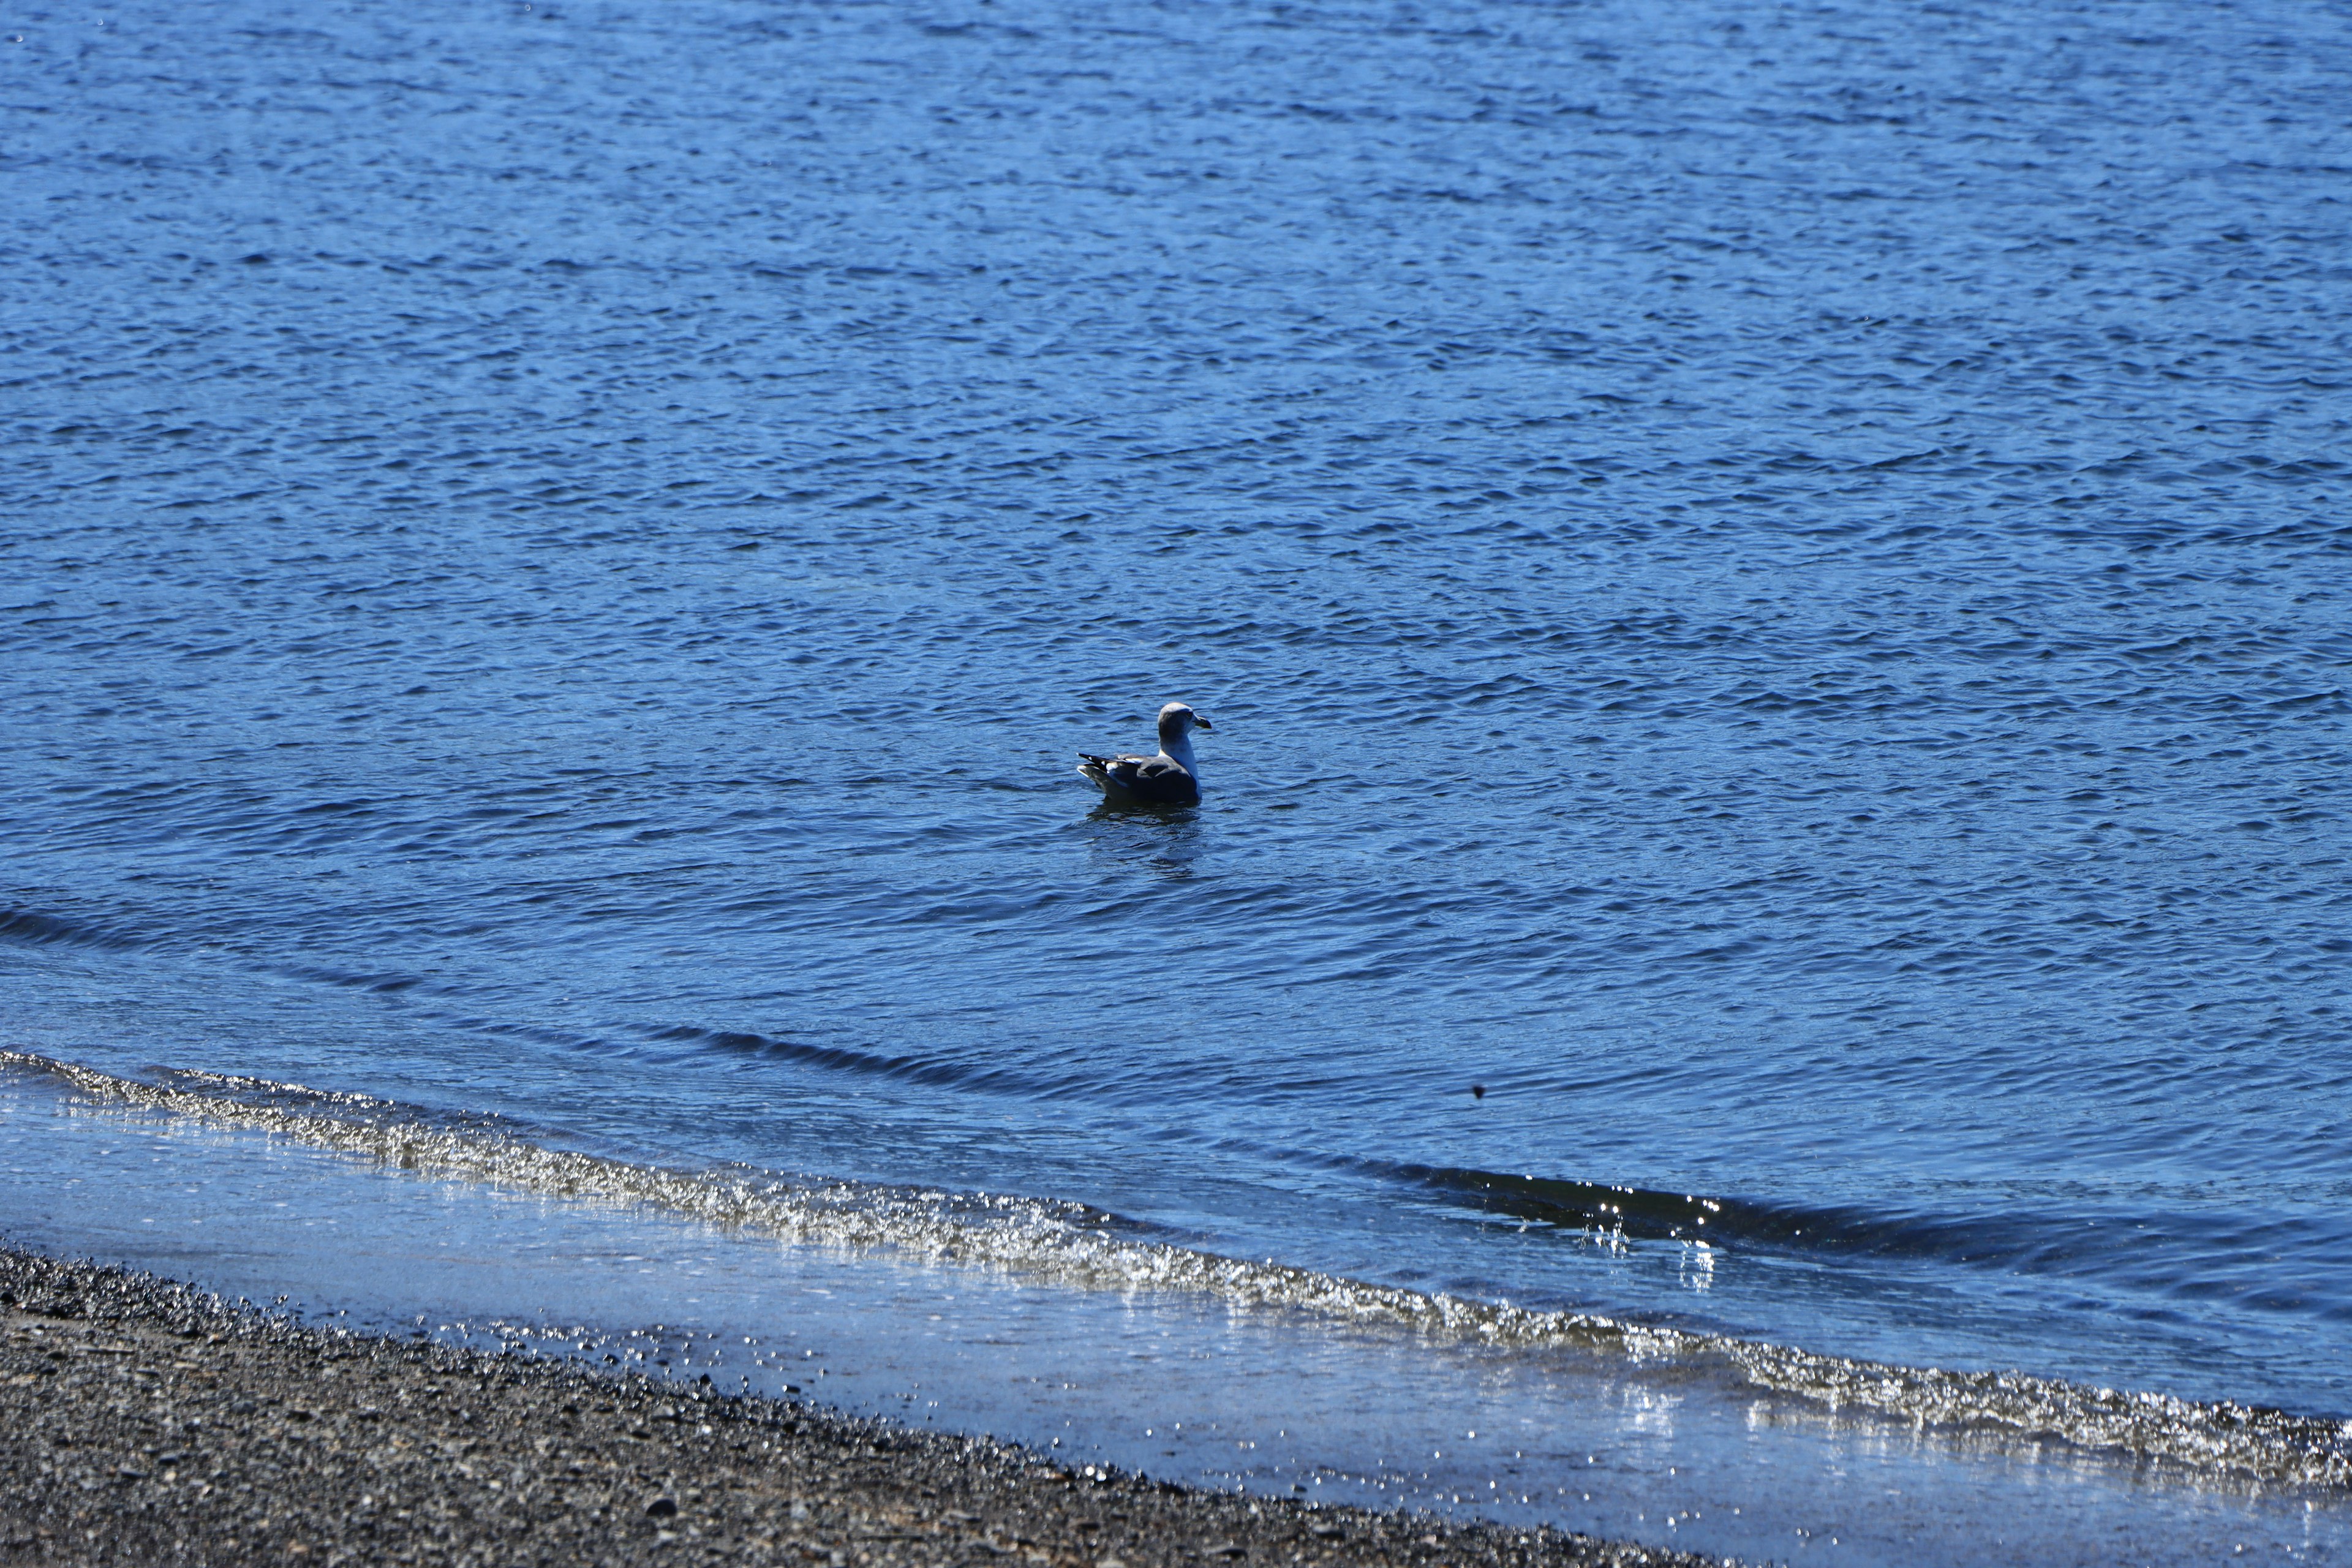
1771,583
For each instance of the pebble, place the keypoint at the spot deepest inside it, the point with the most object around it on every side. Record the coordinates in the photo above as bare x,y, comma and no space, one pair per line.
539,1452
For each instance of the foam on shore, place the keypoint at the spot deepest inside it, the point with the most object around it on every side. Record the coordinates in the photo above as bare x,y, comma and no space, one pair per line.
1074,1245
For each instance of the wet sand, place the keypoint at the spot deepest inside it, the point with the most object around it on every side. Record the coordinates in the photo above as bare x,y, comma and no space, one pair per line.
145,1421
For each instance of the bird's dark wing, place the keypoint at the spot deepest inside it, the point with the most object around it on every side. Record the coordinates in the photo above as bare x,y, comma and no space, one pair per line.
1153,780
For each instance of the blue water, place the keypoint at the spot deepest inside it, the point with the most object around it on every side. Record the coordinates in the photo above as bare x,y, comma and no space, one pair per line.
1175,1385
1772,584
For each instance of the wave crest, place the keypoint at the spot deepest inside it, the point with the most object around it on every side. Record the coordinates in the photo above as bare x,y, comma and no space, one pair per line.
1074,1245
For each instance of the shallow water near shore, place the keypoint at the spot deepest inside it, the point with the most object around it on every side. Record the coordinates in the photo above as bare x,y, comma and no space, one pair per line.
1771,585
1184,1384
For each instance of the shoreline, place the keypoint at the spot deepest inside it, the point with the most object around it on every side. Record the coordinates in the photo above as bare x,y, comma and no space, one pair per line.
143,1420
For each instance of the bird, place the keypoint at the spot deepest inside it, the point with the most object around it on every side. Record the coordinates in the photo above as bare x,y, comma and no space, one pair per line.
1171,778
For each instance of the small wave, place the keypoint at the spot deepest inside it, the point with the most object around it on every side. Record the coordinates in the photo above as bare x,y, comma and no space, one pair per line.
33,929
1717,1221
2146,1249
1077,1245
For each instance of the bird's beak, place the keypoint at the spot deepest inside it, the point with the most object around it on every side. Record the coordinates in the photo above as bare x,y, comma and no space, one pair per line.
1200,723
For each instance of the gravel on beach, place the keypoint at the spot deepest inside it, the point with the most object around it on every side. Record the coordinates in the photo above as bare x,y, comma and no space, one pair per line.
143,1421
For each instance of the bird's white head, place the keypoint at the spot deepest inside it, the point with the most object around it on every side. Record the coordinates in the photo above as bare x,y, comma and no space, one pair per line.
1177,722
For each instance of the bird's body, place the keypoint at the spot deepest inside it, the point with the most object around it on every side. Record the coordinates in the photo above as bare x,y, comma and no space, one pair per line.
1171,778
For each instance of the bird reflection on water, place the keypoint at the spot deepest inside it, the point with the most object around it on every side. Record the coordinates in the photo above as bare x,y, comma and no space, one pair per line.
1169,839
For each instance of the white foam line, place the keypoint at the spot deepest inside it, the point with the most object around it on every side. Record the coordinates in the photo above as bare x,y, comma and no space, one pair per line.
1070,1244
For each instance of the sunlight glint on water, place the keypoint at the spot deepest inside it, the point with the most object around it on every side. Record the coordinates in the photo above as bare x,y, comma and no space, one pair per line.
1770,584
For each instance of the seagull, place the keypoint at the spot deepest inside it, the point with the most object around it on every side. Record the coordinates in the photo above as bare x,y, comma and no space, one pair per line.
1171,778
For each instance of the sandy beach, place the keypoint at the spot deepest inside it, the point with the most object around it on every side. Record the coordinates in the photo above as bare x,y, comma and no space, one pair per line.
146,1421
